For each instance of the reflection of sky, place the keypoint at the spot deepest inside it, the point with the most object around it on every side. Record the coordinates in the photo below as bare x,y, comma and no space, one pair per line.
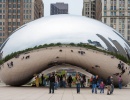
64,29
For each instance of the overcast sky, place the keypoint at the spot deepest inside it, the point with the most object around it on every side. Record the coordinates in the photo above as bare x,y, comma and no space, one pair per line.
75,6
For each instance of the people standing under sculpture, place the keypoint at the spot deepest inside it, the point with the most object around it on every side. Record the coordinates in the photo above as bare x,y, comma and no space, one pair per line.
64,81
120,82
78,83
94,84
61,81
102,85
112,86
37,81
42,80
69,80
56,81
82,82
52,82
91,80
108,85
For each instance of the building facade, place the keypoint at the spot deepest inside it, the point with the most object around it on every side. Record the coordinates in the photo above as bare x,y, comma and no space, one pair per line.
116,13
92,8
58,8
14,13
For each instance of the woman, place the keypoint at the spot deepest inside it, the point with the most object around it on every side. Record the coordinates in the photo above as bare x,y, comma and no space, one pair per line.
37,81
78,83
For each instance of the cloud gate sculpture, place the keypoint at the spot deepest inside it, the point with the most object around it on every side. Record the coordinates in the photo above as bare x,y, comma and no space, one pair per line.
63,29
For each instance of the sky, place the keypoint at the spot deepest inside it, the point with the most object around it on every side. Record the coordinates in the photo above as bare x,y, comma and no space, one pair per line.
75,6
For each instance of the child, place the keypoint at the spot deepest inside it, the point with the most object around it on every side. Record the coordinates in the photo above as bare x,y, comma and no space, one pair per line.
102,87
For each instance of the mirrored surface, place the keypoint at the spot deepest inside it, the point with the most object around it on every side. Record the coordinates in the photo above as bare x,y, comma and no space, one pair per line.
65,29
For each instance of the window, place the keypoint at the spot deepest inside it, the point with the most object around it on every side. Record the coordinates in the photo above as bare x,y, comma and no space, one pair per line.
0,16
18,5
105,20
114,7
105,14
0,23
105,8
14,5
111,7
0,28
1,34
0,5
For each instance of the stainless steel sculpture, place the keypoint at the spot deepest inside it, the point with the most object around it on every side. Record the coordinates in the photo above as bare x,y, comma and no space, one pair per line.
64,29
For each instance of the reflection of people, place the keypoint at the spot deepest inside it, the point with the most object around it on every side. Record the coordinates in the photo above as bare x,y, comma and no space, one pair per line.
37,81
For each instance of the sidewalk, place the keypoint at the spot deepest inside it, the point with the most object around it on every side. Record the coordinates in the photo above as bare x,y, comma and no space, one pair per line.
33,93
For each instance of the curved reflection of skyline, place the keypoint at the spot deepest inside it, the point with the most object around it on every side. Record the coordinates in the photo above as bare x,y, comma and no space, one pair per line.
65,29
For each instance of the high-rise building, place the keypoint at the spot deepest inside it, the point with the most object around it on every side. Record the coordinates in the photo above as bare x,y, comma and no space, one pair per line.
58,8
92,8
14,13
116,13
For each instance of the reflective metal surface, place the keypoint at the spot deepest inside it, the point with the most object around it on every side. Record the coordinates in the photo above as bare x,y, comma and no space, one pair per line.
65,29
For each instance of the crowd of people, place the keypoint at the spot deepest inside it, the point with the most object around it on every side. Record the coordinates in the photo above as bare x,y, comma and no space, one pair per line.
55,81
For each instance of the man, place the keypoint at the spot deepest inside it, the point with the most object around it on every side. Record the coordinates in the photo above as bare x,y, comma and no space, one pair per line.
112,86
42,79
108,85
52,82
94,84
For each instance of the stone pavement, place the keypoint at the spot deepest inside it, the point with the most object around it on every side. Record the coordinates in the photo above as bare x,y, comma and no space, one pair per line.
33,93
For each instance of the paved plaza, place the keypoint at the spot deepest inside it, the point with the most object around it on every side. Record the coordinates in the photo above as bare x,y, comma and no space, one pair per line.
33,93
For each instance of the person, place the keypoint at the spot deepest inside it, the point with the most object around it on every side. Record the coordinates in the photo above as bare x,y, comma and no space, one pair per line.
52,82
108,85
102,87
61,81
91,80
37,81
120,65
42,80
78,83
120,82
69,80
112,86
94,84
64,81
82,82
56,82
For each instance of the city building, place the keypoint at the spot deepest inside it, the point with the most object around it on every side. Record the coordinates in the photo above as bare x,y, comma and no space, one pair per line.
116,13
58,8
92,8
63,40
15,13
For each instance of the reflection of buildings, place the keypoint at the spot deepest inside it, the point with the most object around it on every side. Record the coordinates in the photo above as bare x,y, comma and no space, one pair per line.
95,43
58,8
92,8
115,13
14,13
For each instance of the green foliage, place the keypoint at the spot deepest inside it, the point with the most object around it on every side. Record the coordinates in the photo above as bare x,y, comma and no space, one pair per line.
12,55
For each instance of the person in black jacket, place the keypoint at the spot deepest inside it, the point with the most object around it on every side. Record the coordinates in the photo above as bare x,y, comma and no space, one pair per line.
94,84
109,85
52,82
69,81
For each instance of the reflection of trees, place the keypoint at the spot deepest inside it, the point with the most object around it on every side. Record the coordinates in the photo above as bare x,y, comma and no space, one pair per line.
15,54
